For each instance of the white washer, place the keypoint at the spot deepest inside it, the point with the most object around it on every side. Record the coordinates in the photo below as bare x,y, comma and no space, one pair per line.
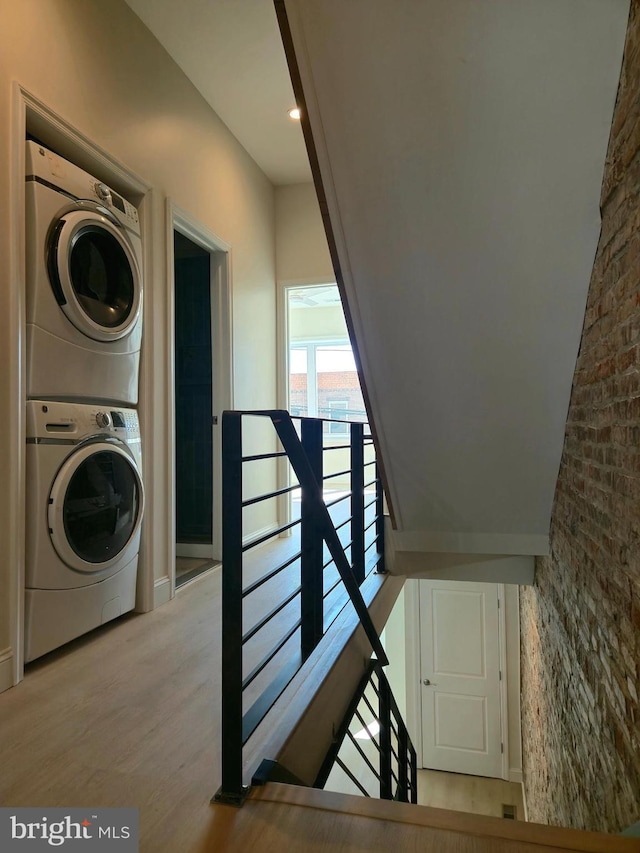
85,502
83,283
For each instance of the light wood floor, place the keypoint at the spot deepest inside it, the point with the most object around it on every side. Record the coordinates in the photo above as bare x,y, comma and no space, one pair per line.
126,716
473,794
129,715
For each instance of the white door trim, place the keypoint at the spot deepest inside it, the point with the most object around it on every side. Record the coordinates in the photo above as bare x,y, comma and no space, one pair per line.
504,706
220,251
28,113
412,664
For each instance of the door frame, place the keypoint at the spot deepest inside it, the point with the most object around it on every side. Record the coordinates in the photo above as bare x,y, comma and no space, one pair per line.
178,219
413,671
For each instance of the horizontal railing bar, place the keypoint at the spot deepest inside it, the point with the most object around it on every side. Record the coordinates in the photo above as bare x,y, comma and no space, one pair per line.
335,611
322,519
337,447
393,704
279,413
371,483
329,591
375,717
368,704
362,753
270,535
371,503
332,754
268,658
365,726
269,616
343,767
266,497
337,474
328,563
344,523
261,456
375,560
370,525
261,707
337,500
257,584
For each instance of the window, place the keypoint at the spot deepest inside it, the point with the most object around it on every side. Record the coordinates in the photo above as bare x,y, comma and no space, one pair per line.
338,411
323,379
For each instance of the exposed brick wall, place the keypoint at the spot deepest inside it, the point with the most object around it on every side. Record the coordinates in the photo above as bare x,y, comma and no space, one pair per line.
580,651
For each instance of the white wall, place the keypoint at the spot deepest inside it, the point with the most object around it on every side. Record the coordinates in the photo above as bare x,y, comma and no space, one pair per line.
301,246
98,67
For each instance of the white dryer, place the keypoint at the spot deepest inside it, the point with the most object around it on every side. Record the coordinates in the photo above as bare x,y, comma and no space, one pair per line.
85,502
83,283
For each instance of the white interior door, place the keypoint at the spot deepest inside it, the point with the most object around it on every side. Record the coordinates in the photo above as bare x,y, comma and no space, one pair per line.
460,677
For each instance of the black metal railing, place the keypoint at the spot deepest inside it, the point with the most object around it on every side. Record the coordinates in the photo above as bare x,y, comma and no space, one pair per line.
323,555
372,751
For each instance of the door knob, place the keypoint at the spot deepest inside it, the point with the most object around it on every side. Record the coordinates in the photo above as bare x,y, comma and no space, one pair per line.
426,682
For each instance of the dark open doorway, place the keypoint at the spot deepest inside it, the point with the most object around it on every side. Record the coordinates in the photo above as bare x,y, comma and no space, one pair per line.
193,410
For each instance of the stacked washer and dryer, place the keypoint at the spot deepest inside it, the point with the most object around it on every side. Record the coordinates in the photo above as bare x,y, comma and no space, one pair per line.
85,495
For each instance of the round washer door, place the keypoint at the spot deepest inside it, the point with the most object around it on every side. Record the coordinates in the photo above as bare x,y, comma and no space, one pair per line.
95,507
94,274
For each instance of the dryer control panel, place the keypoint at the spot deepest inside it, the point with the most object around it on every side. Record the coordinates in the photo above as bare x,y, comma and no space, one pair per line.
58,172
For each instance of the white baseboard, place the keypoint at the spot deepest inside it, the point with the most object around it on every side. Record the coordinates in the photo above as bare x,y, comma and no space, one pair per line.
161,591
515,775
202,550
524,802
6,669
256,534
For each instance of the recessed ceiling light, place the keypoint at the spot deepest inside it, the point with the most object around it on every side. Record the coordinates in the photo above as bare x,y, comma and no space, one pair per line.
294,113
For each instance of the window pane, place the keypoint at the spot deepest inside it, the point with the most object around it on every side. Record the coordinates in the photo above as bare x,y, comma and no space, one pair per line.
339,394
323,380
298,402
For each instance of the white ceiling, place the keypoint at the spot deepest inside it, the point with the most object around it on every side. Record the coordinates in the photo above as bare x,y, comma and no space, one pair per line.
232,52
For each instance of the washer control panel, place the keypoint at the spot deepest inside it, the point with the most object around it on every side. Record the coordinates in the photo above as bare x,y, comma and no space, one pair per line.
76,421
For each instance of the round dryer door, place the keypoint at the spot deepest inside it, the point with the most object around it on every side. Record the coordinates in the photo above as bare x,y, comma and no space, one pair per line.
95,507
94,274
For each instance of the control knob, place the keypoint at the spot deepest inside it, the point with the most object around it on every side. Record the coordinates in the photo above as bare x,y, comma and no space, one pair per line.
103,419
102,191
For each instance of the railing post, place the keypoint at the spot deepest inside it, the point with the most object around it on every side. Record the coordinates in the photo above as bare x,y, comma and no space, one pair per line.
231,790
357,501
379,520
311,578
384,691
403,762
413,759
